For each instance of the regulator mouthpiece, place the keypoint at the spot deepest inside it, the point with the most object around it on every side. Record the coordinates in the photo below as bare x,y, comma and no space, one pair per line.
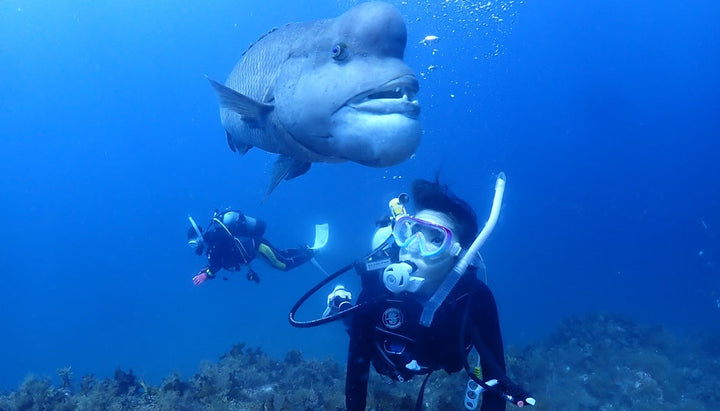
397,278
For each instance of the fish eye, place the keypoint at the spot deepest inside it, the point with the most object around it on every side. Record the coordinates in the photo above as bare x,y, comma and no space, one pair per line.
339,51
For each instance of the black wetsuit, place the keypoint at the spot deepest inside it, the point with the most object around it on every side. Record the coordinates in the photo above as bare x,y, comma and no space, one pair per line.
386,332
242,245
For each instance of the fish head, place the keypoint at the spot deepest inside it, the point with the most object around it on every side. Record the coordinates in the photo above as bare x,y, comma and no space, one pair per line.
345,92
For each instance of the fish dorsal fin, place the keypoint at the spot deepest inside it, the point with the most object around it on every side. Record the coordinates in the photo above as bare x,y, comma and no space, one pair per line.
258,40
286,168
248,108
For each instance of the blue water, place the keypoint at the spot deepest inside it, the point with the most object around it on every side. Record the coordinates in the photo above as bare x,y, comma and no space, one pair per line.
605,116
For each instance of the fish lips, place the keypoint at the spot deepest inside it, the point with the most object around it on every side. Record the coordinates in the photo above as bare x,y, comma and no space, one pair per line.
374,140
383,106
380,127
375,128
394,97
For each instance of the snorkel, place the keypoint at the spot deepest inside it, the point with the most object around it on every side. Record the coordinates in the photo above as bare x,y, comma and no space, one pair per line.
197,229
468,258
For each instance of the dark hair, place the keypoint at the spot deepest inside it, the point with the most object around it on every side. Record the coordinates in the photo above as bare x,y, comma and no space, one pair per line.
429,195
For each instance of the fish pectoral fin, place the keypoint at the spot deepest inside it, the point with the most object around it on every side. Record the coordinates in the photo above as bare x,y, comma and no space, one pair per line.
243,149
239,147
269,97
248,108
286,168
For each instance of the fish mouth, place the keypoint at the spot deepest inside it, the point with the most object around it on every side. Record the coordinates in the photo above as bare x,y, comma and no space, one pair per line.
394,97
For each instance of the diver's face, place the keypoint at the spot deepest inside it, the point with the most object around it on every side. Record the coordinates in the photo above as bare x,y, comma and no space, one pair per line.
432,269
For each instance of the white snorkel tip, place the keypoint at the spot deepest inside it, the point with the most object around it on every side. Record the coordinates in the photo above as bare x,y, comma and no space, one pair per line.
500,182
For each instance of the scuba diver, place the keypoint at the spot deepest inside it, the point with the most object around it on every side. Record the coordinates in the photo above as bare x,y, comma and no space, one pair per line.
233,240
422,307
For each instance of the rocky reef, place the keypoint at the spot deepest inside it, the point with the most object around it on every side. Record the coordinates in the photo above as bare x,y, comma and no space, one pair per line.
596,362
602,362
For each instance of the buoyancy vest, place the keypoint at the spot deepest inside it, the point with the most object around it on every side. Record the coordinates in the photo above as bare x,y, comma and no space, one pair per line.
401,347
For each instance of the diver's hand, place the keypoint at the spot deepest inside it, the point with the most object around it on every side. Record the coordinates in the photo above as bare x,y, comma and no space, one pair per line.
201,276
518,395
338,300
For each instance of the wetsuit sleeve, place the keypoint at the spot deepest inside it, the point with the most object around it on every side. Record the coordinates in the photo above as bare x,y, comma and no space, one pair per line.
284,259
214,262
358,371
487,339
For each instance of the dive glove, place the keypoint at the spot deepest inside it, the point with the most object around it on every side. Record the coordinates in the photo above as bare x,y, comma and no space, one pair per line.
517,394
338,300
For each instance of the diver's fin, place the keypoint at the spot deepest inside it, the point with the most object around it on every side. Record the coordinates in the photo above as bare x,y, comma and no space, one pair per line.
322,232
241,148
286,168
248,108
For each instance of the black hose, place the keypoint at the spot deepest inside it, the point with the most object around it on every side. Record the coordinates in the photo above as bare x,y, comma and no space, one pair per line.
313,290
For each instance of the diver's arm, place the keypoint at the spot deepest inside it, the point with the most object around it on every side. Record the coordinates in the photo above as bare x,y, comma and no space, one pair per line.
487,336
208,272
212,238
213,265
358,372
485,333
484,330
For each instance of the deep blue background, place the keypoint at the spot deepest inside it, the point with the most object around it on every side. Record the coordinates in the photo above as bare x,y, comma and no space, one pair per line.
605,115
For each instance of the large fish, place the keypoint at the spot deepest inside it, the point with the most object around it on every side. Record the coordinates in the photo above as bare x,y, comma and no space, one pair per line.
325,91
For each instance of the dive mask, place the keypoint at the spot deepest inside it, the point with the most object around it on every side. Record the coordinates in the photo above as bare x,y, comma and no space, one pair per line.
429,239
